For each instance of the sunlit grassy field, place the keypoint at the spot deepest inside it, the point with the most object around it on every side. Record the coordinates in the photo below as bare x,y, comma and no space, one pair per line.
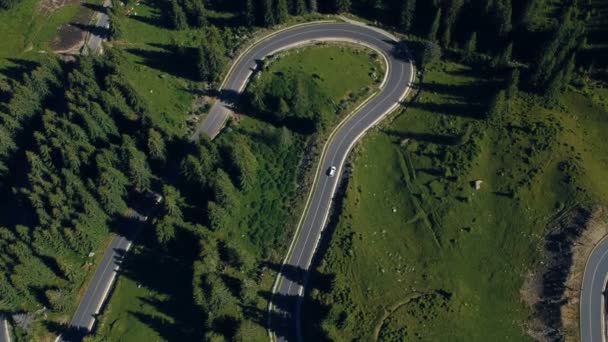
418,253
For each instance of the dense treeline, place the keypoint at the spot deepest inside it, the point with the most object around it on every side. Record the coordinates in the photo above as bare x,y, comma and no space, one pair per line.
536,35
76,140
509,32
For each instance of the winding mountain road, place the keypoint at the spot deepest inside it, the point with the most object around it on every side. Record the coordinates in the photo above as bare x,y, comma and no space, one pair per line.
289,286
592,305
288,291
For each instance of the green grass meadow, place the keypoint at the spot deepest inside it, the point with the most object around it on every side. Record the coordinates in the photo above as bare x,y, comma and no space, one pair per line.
417,252
27,32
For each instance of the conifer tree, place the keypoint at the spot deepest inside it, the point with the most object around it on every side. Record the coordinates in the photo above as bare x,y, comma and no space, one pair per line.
299,7
471,47
249,12
513,83
281,11
177,16
312,5
268,15
341,6
407,14
432,35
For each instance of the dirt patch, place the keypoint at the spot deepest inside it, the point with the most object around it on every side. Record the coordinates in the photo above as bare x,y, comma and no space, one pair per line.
72,36
553,289
47,7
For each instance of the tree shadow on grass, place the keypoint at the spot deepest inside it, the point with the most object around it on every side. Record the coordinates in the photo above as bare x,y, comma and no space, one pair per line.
440,139
163,57
158,10
465,110
466,92
67,333
168,274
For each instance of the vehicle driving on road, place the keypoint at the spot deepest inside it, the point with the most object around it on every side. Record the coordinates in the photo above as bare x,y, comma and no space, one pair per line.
332,171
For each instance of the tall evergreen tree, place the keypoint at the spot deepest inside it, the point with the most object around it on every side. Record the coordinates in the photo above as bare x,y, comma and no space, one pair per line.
341,6
210,57
115,29
471,47
503,11
452,10
249,12
177,16
299,7
196,9
267,13
407,14
312,5
432,35
281,11
513,83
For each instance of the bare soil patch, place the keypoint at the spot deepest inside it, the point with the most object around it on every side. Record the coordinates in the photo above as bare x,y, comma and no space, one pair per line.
72,36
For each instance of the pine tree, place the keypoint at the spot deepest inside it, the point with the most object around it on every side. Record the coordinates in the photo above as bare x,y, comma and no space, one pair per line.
198,13
210,56
504,60
513,83
341,6
268,16
115,29
299,7
312,5
502,13
407,14
156,145
432,36
177,16
498,105
471,47
249,13
449,18
569,70
430,53
281,11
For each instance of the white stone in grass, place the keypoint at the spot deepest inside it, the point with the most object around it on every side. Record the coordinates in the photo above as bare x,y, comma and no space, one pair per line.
478,184
92,254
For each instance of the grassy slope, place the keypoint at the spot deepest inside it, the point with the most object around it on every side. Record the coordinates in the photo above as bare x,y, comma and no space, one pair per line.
26,31
407,231
155,72
155,311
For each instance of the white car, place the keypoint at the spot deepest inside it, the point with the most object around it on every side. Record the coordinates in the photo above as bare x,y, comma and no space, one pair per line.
332,171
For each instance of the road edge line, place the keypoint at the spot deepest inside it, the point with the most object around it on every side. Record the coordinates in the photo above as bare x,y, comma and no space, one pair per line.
580,306
350,147
277,281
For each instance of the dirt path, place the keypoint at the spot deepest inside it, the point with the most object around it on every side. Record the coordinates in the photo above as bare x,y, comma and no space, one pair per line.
390,310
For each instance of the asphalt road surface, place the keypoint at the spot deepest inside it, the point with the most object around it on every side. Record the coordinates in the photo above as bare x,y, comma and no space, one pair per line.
83,320
5,335
592,306
284,309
